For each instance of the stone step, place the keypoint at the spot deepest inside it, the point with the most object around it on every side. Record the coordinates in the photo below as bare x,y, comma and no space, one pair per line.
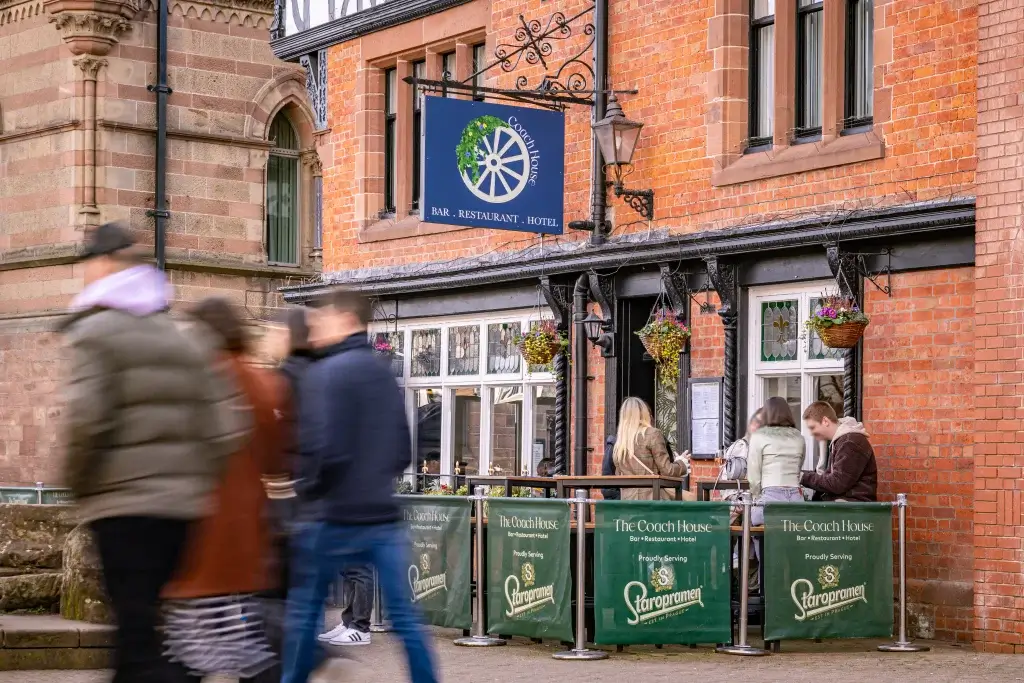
50,642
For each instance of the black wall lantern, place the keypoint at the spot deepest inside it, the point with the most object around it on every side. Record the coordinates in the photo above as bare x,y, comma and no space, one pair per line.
600,333
617,137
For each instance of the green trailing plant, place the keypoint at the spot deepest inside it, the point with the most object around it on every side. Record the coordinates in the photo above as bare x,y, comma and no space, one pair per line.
664,337
541,344
468,150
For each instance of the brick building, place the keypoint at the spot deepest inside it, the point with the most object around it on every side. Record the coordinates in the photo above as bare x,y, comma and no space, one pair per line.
793,147
78,147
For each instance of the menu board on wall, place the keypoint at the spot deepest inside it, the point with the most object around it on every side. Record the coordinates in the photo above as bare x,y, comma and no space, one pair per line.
705,396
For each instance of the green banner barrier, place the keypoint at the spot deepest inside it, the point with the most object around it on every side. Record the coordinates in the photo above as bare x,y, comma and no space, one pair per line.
661,573
828,570
529,585
19,496
440,574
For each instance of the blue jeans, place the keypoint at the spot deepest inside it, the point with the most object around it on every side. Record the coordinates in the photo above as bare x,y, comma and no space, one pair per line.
322,551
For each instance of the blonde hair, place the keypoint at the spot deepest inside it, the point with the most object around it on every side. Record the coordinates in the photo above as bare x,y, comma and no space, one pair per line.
634,420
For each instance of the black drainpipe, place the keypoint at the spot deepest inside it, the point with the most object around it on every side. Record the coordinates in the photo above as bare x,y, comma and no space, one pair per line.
580,297
160,212
597,205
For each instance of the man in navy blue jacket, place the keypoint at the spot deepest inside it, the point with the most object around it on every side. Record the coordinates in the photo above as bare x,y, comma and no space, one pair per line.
354,442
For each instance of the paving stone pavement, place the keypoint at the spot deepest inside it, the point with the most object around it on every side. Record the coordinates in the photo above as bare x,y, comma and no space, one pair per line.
830,662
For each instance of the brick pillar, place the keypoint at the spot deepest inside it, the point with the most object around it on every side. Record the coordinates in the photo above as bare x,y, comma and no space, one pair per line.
999,328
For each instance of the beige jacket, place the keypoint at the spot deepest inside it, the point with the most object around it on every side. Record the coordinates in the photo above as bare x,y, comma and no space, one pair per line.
651,457
774,458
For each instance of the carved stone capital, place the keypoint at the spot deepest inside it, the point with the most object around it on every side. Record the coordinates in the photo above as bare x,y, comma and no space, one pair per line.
311,159
90,66
91,27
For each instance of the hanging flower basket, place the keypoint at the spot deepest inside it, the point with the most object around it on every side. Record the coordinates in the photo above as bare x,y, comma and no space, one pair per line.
664,338
383,347
541,344
839,322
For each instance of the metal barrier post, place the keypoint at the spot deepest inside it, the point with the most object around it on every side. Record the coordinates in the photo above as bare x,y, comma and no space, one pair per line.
580,652
741,647
903,644
376,616
479,638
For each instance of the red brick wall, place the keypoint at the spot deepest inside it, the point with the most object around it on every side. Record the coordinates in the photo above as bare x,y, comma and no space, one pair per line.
999,311
918,406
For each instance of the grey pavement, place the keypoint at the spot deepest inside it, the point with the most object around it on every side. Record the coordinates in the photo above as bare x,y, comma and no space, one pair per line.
830,662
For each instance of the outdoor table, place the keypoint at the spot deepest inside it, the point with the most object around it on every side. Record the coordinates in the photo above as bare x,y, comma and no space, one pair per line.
706,486
643,481
508,482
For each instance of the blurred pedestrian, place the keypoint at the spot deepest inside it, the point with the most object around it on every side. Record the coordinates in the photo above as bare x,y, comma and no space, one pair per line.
355,442
227,560
149,419
357,592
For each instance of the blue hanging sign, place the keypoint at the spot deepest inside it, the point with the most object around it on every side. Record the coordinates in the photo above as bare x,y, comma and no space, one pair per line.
493,166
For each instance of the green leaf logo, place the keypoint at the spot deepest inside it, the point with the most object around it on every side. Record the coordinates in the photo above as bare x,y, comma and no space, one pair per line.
470,149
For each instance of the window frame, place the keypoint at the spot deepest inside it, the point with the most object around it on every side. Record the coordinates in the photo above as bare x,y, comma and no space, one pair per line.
852,122
758,143
419,70
479,61
448,73
486,382
292,156
390,141
805,367
804,133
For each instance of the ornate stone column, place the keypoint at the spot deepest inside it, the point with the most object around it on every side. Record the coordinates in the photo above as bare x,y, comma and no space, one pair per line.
90,28
86,194
315,173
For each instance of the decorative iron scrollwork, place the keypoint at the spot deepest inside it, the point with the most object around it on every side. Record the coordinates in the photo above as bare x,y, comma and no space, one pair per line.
316,85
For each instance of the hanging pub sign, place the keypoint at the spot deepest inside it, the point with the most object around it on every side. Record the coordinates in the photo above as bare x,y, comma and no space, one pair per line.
493,166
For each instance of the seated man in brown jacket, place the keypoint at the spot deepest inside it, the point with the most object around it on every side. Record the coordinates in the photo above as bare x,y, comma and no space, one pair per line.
851,474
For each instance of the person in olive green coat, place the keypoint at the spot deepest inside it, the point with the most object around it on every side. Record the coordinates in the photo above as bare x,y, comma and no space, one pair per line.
149,422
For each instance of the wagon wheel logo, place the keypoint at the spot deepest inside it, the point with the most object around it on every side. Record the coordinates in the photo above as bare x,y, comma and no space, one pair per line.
529,575
425,563
828,576
493,160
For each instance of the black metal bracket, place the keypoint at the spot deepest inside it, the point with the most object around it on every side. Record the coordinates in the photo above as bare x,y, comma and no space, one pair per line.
676,290
641,201
602,292
723,278
166,90
558,300
153,213
846,266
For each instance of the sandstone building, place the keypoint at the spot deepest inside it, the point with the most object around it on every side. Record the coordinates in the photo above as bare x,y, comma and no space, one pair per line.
78,131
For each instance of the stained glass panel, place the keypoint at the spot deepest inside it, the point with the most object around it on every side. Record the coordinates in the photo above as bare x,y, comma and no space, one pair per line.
816,349
464,350
503,356
426,353
780,330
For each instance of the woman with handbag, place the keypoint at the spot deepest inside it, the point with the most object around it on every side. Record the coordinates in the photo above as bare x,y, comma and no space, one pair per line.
214,621
642,449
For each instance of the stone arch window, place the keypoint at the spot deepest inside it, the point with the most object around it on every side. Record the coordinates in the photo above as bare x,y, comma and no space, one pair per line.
283,185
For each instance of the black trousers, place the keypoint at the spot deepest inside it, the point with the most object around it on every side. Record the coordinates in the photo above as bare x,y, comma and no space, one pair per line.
139,556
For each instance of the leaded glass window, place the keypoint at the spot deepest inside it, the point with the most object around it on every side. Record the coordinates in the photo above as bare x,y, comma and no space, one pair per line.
780,330
426,353
464,350
282,193
396,340
503,356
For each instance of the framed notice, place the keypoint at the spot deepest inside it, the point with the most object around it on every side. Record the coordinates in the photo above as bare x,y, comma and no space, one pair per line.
705,396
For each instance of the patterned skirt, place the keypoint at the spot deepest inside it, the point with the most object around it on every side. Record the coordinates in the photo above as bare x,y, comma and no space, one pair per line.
224,635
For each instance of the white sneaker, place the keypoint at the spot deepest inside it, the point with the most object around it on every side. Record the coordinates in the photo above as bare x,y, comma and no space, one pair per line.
351,637
333,633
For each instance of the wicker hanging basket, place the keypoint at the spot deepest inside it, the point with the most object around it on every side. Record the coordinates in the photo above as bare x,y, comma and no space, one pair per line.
843,336
540,354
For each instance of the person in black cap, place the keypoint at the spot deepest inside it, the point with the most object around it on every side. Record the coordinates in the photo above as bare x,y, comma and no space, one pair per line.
149,421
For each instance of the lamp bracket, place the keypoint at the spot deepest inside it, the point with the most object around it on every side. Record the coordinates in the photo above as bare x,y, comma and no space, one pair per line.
602,292
641,201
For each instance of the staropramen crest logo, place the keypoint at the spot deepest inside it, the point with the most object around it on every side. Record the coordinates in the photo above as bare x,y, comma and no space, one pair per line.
497,159
665,602
523,597
831,599
422,584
